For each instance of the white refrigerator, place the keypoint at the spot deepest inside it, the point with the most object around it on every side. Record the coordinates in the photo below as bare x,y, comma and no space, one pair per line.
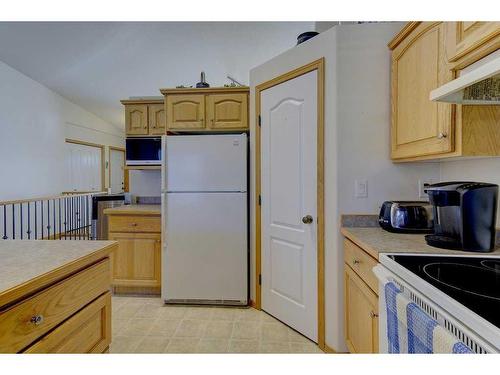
204,218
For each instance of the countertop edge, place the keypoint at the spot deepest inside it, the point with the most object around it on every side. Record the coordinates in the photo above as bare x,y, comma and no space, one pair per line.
369,249
29,287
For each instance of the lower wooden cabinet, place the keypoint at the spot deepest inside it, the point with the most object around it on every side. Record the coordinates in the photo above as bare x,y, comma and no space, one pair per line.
137,261
361,314
88,331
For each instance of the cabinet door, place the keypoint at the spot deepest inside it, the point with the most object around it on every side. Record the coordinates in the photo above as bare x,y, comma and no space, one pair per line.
185,112
136,119
419,126
361,314
136,262
157,119
464,37
227,111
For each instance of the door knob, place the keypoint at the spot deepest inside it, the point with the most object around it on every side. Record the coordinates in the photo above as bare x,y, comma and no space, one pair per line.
308,219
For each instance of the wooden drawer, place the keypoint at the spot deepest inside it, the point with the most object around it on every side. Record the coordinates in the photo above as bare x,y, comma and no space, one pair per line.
52,305
88,331
361,263
131,223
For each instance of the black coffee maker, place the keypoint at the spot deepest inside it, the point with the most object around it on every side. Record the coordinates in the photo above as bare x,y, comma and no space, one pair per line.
464,215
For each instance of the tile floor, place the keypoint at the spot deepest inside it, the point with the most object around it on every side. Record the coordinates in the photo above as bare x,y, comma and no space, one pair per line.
146,325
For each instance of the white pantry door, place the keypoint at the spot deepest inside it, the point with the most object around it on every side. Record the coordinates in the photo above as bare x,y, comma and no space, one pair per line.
116,171
289,210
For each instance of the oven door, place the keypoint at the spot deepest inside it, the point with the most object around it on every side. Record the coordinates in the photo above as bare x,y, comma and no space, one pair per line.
143,151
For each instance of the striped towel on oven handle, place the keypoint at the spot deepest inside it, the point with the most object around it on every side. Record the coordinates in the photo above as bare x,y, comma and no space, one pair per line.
411,330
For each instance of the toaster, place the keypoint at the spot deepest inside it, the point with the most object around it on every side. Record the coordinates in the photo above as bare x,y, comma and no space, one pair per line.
406,217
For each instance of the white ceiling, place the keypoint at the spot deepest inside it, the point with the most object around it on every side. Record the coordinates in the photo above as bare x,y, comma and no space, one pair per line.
96,64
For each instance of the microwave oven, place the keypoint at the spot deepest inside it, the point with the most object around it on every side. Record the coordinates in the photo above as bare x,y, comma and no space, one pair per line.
143,151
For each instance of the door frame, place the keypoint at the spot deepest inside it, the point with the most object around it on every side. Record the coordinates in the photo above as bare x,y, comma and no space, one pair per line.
103,157
125,170
319,66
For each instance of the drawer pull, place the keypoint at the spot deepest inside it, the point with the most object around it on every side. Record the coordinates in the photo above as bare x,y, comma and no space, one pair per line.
356,261
134,224
373,314
37,319
442,135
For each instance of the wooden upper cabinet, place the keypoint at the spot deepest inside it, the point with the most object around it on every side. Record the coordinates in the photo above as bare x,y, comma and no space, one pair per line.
207,109
426,55
466,37
361,314
157,119
185,112
144,117
136,119
227,111
419,126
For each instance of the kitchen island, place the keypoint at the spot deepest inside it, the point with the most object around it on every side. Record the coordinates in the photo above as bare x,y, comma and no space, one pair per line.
55,296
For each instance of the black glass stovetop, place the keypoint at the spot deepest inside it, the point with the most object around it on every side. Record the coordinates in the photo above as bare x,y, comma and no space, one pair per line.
474,282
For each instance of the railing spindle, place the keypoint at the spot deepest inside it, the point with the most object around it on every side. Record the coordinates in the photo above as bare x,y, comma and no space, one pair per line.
41,217
28,232
36,219
48,220
65,217
54,216
13,222
60,234
21,220
5,223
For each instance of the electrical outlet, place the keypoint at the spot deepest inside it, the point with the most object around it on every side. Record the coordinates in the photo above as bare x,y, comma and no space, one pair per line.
361,188
422,184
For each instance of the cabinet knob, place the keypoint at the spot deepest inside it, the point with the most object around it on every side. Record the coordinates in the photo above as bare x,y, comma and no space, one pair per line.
373,314
356,261
37,319
442,135
134,224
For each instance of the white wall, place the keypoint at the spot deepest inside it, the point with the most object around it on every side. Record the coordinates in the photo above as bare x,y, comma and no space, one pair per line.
357,122
34,123
364,115
145,183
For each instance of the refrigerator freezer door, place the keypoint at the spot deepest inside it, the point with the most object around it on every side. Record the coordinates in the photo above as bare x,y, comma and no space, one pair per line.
197,163
205,250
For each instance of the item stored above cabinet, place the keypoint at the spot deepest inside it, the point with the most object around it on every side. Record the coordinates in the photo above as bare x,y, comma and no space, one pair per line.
422,129
206,109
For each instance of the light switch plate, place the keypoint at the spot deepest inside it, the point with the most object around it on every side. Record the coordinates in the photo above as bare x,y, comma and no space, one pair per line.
361,188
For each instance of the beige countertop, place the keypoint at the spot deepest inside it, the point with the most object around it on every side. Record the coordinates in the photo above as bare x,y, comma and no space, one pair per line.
25,262
134,209
376,241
